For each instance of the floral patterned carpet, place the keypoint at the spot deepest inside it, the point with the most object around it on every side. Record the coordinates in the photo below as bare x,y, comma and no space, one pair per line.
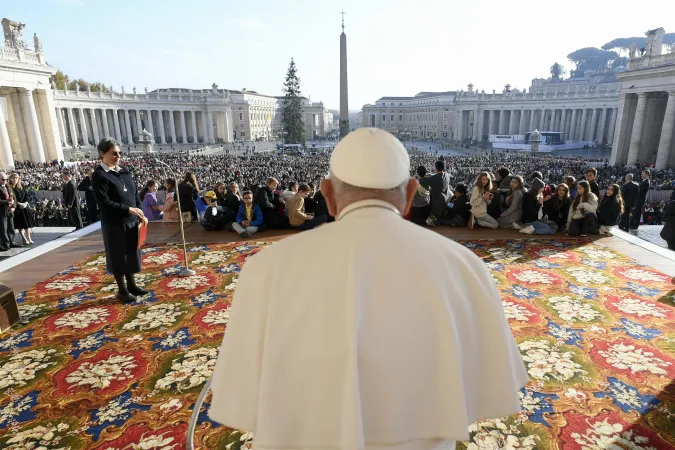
596,330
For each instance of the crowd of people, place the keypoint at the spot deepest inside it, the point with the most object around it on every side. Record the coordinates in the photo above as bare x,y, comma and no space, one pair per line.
527,191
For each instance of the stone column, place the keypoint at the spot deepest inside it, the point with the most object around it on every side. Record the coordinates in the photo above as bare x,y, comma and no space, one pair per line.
104,122
85,132
666,140
209,125
583,127
127,125
512,123
194,126
116,123
636,136
502,122
62,128
612,126
594,123
602,121
172,126
494,123
522,124
73,129
228,125
162,135
6,157
151,128
542,115
139,125
33,128
205,129
573,125
94,125
183,128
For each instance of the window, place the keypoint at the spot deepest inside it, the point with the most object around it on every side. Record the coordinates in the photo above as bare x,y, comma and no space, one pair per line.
384,117
400,117
391,118
241,116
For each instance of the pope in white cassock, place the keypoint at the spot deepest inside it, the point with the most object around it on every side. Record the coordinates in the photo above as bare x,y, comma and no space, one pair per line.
382,335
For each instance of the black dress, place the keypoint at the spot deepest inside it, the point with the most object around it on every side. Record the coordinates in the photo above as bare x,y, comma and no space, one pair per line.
115,193
23,217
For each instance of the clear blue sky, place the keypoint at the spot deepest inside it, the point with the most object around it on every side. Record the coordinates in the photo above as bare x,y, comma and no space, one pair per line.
394,47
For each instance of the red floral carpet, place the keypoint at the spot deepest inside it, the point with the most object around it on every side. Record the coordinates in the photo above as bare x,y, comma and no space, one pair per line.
596,330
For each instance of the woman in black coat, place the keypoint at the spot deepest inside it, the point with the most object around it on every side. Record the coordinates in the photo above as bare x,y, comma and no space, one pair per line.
557,207
121,213
610,208
668,231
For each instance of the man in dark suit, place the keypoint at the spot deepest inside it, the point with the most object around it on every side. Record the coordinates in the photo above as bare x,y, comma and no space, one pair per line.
5,213
70,200
85,186
439,186
629,192
642,198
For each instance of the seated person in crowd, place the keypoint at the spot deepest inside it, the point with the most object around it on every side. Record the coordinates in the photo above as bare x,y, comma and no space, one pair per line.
512,216
170,207
459,209
321,206
310,204
547,189
232,197
571,183
215,217
582,220
421,206
532,203
610,208
481,196
494,209
249,217
591,177
295,207
557,207
503,179
290,192
201,204
439,186
269,203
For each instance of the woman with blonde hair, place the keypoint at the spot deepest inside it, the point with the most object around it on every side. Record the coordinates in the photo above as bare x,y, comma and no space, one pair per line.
24,219
481,196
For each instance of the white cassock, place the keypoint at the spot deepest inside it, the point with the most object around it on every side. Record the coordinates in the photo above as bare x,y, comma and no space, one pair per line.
365,333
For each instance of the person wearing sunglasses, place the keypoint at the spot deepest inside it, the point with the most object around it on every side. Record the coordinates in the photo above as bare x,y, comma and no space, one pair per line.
121,213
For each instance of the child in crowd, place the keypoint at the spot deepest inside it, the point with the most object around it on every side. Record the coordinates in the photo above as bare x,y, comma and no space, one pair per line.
250,217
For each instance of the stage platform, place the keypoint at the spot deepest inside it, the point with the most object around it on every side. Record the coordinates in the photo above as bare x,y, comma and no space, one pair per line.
32,271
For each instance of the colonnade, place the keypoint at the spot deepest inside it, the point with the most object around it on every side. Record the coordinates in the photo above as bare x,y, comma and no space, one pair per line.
646,132
86,126
577,124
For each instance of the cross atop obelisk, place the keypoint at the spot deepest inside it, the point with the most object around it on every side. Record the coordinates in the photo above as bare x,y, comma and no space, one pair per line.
344,103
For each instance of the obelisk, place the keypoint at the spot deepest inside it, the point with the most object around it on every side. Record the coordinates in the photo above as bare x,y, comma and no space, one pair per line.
344,102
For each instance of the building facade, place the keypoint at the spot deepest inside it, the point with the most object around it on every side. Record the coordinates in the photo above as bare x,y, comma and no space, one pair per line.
647,108
583,109
41,123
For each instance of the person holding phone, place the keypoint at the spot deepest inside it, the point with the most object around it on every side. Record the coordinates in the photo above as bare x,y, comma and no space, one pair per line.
121,214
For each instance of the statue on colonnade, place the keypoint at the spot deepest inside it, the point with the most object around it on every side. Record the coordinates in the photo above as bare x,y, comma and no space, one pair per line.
37,43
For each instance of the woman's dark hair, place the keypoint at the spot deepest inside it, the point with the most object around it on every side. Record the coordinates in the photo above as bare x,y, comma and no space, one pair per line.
146,189
461,188
172,184
613,198
570,181
521,183
246,193
106,145
291,185
190,178
536,175
422,171
587,190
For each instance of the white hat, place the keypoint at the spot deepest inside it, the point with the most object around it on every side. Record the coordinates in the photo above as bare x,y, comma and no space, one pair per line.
370,158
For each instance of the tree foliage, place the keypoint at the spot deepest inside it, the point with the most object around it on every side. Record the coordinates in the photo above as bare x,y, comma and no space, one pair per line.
292,113
557,71
620,44
62,80
591,58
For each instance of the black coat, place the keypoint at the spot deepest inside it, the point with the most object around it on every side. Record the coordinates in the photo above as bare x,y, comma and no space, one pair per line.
69,190
630,192
188,194
642,195
439,186
557,211
115,193
595,188
494,209
531,208
460,207
86,187
608,212
668,230
4,203
232,201
265,199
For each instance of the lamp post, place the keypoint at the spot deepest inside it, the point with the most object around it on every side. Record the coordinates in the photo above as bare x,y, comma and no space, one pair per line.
187,271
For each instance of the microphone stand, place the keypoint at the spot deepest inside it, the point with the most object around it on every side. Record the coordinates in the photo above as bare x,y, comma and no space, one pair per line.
187,271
